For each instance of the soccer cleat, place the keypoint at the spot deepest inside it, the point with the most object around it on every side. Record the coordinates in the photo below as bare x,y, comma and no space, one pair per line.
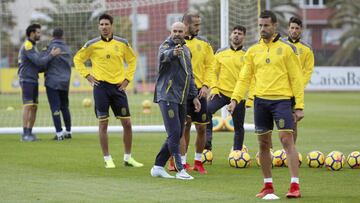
268,189
133,163
109,163
58,138
171,166
187,167
183,175
33,137
26,138
160,172
198,166
67,135
294,191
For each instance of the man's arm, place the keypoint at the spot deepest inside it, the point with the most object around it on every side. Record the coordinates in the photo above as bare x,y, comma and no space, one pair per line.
214,76
130,59
39,60
296,79
209,65
309,67
79,60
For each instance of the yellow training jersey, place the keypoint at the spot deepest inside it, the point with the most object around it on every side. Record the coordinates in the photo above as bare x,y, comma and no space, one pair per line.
306,56
227,66
108,58
276,70
202,59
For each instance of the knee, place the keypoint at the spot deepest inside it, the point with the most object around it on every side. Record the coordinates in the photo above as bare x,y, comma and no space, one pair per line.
201,129
287,141
126,123
264,145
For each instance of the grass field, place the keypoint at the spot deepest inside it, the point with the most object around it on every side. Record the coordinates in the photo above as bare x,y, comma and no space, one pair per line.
72,171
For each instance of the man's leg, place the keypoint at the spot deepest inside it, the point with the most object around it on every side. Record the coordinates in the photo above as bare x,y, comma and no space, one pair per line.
103,136
295,132
54,100
64,107
238,118
127,139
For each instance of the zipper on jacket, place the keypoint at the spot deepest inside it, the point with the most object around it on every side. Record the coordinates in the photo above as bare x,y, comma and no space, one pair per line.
168,86
186,81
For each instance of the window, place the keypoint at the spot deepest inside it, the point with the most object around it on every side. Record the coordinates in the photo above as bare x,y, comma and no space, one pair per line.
331,36
313,3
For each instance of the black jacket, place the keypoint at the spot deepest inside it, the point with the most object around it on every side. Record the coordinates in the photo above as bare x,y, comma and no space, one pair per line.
175,82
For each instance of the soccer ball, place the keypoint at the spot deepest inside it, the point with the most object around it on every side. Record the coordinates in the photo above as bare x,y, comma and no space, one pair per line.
335,161
258,159
239,159
229,123
354,159
315,159
218,123
279,158
86,102
146,104
207,156
300,160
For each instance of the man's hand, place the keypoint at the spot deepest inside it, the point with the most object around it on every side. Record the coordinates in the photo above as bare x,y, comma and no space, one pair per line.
178,50
55,51
231,106
122,86
92,80
197,104
298,115
203,92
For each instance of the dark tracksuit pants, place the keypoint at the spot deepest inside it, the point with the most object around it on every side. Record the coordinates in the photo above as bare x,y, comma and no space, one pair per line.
174,117
238,117
59,102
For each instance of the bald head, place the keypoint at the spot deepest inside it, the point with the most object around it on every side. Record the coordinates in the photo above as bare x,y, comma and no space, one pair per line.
177,32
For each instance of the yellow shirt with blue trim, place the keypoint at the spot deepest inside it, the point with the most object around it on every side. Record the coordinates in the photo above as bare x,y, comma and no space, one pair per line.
306,56
109,57
276,70
227,66
202,59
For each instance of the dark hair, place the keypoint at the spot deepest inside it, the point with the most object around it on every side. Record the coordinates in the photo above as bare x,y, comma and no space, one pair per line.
107,17
57,33
240,27
295,20
32,28
187,17
268,14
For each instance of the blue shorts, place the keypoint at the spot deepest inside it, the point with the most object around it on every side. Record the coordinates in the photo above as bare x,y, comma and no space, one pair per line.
268,111
108,95
30,93
200,117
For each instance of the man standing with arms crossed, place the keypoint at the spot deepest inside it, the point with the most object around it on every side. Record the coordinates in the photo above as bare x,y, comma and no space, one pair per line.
30,64
202,65
174,87
108,53
57,80
276,68
305,53
229,62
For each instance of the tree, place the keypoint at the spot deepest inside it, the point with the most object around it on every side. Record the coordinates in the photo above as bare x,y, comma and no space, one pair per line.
8,50
346,16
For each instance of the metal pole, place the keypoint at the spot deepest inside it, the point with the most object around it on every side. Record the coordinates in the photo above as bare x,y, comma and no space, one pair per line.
224,35
268,5
134,25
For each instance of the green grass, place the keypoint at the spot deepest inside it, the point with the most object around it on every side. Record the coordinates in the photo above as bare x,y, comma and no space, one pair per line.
72,171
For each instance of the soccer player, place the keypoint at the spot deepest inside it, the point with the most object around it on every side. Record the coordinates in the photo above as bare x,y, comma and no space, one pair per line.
57,80
174,87
229,62
202,64
108,53
276,68
305,53
31,62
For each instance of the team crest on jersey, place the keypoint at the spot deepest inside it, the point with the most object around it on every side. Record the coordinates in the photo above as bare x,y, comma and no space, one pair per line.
279,51
116,48
203,117
198,47
123,111
300,51
171,113
281,123
267,60
108,56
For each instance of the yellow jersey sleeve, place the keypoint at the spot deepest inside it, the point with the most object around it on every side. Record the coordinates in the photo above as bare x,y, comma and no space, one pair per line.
296,79
209,61
308,66
130,59
245,77
214,75
80,58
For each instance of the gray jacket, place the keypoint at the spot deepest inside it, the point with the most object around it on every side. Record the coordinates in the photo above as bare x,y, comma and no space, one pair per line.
57,74
31,62
175,82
